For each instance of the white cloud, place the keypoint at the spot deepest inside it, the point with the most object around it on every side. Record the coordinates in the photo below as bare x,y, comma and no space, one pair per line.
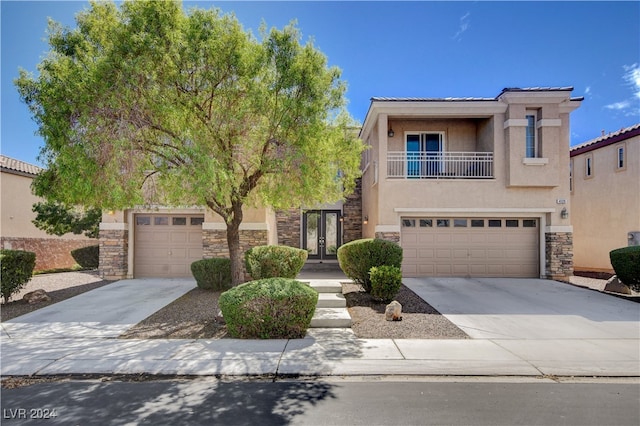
465,24
632,77
629,107
619,106
587,91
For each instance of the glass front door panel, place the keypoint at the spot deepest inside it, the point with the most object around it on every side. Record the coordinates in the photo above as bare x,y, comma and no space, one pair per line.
312,221
331,233
322,233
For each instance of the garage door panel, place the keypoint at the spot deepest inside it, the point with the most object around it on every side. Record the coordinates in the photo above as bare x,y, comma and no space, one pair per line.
460,253
426,253
471,251
166,248
443,254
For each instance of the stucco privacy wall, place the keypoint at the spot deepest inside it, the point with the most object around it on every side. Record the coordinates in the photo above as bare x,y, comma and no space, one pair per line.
16,227
520,186
606,204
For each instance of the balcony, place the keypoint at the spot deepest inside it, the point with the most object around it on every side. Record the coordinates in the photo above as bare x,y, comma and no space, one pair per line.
439,165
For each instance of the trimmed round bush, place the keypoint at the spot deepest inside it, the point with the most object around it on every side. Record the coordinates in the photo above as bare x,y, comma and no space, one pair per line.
212,274
385,282
16,269
271,308
274,261
87,257
358,257
626,263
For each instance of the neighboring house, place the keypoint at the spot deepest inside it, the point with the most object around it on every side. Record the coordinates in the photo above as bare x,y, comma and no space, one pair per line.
605,197
472,186
17,230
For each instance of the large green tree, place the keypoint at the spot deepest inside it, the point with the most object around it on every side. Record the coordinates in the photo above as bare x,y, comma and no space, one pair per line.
148,104
58,219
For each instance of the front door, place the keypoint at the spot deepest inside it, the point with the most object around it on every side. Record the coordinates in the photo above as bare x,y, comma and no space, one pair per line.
321,233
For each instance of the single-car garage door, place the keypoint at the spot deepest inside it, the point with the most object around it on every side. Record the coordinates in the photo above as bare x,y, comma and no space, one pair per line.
166,245
470,247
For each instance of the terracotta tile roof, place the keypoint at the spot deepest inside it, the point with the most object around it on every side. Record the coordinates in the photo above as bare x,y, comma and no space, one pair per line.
606,140
11,165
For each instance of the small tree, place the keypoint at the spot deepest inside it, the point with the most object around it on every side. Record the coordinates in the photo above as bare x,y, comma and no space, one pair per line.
59,219
147,104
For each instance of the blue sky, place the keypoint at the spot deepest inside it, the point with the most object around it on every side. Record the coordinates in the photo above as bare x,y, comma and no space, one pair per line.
412,49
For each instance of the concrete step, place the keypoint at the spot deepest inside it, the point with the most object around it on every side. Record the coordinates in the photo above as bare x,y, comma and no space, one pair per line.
325,286
331,300
331,318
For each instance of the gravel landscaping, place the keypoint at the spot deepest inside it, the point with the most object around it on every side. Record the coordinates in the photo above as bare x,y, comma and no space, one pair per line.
195,316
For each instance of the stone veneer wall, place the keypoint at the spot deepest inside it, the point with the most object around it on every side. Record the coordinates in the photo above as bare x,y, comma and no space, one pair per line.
214,243
51,253
114,249
559,254
352,214
289,225
389,236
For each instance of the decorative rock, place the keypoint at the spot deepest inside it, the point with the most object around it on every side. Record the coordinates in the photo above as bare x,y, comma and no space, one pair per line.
615,286
36,296
393,312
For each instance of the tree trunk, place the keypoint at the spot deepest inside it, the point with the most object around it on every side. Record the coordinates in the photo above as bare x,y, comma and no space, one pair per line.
233,242
235,253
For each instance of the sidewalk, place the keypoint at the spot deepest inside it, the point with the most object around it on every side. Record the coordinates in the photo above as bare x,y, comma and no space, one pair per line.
85,343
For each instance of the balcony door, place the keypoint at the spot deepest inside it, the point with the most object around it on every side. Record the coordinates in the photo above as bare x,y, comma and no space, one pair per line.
424,154
321,234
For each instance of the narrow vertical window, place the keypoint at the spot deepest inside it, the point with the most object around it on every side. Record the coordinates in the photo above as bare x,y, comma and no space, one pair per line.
531,135
571,175
588,166
620,159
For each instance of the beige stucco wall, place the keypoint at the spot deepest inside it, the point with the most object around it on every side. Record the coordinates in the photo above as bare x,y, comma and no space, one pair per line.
606,206
16,209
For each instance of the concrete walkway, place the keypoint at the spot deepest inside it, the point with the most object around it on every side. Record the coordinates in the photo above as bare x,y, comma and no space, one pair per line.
78,337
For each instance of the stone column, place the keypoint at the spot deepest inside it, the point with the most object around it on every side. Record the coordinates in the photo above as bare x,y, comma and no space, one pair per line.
559,255
114,253
389,236
288,223
214,242
352,214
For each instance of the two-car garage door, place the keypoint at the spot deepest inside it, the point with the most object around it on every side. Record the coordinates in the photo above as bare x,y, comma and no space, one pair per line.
473,247
166,245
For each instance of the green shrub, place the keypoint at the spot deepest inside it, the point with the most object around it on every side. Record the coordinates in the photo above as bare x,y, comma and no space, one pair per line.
87,257
385,282
274,261
16,270
626,263
212,274
271,308
358,257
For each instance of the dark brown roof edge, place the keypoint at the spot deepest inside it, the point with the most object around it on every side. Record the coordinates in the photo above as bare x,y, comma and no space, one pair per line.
606,140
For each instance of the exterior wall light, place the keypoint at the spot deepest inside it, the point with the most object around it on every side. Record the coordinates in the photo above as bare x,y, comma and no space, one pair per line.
564,213
390,133
366,220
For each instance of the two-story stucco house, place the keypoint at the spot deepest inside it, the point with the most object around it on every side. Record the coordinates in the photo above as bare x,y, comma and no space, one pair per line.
605,197
472,186
17,231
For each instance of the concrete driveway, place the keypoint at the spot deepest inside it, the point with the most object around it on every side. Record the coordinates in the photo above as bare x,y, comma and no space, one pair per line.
528,309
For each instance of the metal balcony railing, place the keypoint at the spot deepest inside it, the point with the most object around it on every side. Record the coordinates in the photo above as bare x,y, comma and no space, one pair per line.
439,165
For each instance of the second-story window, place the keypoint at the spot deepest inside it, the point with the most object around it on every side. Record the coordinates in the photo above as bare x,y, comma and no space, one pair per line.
620,157
588,166
531,135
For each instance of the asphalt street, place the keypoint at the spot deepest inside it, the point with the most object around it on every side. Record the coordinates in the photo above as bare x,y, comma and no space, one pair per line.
371,401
